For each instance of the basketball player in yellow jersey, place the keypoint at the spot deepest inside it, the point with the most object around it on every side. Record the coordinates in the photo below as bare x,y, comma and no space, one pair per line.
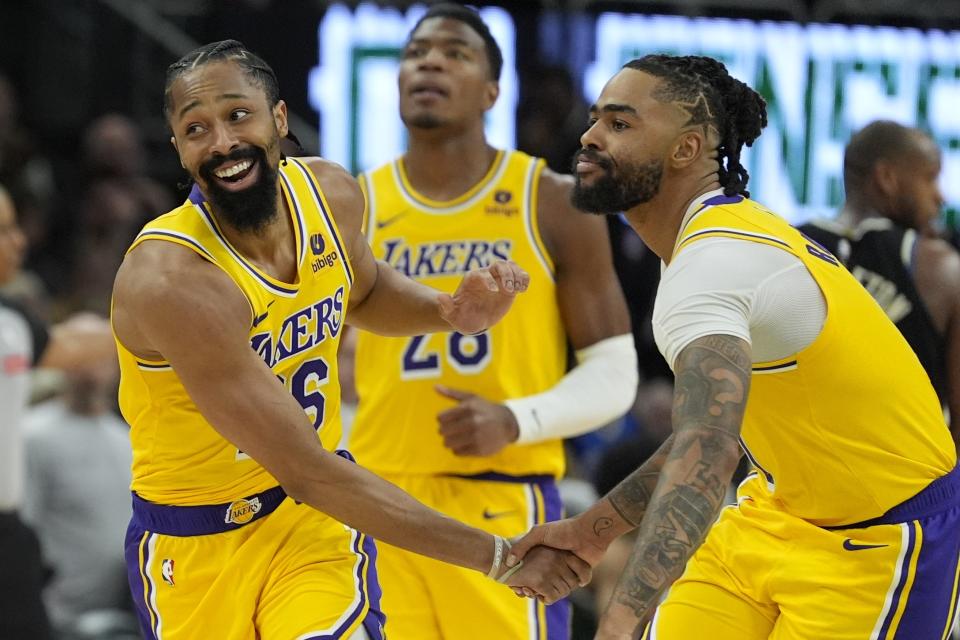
227,313
849,526
472,424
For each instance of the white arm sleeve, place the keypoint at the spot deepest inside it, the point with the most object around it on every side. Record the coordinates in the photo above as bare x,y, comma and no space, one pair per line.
599,389
756,292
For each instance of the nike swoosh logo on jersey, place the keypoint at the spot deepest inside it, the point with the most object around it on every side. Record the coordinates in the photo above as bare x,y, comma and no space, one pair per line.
850,545
490,515
389,221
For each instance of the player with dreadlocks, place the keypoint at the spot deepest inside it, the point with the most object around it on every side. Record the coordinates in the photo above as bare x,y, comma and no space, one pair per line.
227,313
849,524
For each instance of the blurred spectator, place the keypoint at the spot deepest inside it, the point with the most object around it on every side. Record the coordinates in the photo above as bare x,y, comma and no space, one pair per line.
77,495
24,172
25,342
118,200
22,342
551,116
885,234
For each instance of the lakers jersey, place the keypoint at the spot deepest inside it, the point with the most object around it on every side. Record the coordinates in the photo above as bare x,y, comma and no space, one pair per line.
396,429
850,426
178,457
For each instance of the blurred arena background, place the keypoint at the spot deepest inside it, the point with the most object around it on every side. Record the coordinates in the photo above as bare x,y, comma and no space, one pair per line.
85,152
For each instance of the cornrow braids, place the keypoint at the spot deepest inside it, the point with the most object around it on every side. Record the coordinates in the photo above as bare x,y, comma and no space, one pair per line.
714,99
252,64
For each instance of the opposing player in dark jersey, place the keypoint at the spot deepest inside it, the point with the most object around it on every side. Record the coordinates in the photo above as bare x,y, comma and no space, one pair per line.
883,235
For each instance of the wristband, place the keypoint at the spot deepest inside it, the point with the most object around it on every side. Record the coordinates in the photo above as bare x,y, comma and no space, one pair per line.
509,572
500,549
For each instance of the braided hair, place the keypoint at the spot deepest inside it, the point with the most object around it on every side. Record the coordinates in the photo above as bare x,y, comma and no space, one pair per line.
713,98
253,65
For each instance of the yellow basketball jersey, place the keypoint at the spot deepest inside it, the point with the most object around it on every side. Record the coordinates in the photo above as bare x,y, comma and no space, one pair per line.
178,457
396,428
850,426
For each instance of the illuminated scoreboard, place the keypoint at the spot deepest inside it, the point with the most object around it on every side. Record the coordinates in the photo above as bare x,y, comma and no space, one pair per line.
821,83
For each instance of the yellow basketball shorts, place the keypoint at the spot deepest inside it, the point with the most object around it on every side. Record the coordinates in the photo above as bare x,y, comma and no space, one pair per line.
424,599
762,573
260,568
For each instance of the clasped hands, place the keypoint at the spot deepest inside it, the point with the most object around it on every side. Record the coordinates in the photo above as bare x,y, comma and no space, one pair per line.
556,560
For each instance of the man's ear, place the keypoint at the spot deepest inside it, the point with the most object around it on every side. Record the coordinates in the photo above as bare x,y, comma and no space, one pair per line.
280,118
490,95
688,148
173,141
886,178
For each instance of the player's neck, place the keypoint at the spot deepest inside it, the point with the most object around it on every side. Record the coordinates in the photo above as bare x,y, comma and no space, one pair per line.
444,167
657,221
855,210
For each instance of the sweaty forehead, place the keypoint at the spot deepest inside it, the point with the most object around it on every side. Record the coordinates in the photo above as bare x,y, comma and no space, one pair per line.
441,29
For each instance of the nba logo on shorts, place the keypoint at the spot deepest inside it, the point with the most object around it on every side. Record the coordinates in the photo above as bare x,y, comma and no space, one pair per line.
242,511
166,571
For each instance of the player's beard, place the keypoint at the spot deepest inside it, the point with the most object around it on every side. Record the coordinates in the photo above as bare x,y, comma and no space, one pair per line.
619,188
252,208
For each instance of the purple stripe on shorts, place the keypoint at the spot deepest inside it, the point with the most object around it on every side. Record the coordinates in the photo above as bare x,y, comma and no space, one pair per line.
339,631
558,613
904,572
135,535
930,600
366,548
375,619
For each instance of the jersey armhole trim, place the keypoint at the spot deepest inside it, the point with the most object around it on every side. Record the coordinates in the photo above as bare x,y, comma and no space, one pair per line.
532,218
326,214
368,224
176,237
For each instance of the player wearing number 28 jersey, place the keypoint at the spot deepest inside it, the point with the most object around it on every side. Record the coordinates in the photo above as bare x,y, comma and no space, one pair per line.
473,424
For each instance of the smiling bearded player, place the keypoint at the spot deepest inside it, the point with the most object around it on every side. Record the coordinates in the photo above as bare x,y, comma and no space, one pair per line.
228,313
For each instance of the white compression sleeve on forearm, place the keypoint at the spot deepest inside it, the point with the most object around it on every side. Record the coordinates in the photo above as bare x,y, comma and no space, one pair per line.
599,389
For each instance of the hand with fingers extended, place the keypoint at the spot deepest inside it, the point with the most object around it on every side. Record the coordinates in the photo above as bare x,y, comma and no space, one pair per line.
548,574
483,297
569,535
475,426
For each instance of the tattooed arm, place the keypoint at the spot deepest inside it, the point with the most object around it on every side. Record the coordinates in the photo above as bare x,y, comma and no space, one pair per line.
590,533
710,395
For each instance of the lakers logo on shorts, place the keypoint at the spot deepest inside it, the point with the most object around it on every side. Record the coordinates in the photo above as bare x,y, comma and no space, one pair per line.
242,511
